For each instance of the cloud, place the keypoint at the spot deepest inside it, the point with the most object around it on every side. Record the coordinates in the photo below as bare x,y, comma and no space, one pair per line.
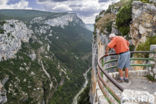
2,2
54,0
59,0
23,4
102,0
86,9
62,7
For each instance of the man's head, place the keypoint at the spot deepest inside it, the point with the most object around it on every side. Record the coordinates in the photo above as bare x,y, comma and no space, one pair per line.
111,36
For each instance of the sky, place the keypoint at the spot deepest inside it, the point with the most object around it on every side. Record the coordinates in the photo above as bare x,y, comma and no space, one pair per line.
87,10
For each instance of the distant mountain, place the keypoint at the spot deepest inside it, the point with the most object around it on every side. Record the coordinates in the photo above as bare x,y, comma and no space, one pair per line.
90,27
43,56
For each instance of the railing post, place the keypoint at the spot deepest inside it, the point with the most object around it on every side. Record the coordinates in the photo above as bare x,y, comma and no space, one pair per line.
152,70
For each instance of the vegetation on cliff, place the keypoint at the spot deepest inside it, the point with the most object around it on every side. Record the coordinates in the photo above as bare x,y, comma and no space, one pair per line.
145,46
145,1
105,23
120,13
123,18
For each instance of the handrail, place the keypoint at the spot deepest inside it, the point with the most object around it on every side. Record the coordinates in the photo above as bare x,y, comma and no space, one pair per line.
133,58
108,88
108,76
142,52
105,94
114,60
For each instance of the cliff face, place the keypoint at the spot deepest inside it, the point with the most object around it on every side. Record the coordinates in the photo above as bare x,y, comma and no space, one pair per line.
143,22
135,20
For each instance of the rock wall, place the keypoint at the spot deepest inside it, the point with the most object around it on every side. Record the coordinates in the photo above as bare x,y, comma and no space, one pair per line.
143,26
102,41
152,70
3,92
154,1
143,22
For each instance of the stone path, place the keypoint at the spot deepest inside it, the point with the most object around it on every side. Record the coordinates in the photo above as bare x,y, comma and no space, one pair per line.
140,84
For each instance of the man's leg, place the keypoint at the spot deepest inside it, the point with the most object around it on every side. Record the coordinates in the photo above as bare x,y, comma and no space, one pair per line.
127,64
121,79
121,63
120,73
126,73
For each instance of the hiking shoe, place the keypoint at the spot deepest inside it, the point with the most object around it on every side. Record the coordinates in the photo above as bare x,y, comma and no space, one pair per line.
120,80
126,80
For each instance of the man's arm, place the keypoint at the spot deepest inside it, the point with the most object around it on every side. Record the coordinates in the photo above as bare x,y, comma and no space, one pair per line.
107,50
127,43
110,45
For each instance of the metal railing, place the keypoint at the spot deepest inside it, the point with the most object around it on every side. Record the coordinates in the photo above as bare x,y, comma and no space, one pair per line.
104,85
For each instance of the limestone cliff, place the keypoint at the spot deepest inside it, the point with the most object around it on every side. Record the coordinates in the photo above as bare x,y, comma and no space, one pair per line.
143,24
14,33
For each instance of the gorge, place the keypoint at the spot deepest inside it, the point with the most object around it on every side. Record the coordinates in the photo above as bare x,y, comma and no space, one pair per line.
43,56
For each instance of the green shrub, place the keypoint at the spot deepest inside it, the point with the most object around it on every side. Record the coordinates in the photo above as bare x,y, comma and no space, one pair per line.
2,23
132,47
124,30
124,18
8,34
151,78
12,25
101,12
109,26
2,31
108,10
145,1
146,46
98,18
94,32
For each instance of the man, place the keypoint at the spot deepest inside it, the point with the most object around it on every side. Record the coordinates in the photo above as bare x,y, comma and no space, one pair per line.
121,47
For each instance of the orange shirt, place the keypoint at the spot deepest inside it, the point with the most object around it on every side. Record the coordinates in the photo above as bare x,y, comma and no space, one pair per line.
120,44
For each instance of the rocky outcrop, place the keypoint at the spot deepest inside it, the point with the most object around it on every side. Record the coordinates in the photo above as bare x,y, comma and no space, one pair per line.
143,27
143,22
152,70
152,1
60,21
3,98
14,33
3,92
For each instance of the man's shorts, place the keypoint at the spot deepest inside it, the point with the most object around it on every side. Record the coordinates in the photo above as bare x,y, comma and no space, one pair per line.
124,60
